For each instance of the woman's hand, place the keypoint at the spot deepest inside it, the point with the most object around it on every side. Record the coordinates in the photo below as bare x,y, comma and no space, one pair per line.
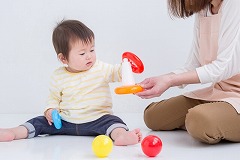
48,115
155,86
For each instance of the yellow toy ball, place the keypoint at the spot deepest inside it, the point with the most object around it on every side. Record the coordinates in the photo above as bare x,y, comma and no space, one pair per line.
102,145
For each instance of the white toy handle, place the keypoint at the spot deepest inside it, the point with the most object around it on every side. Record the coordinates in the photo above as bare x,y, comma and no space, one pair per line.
127,75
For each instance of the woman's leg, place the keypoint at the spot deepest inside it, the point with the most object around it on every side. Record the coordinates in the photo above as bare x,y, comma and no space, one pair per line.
211,122
169,114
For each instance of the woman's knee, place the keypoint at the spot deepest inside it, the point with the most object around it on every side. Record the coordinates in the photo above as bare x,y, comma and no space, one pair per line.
167,114
202,126
149,117
152,117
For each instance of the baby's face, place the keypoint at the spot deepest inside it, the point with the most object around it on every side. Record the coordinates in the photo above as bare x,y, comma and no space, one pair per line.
81,57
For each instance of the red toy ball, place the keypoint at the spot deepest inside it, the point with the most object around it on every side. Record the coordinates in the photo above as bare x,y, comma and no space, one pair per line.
151,145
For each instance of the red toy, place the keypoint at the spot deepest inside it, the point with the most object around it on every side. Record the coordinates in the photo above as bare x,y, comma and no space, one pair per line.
136,63
151,145
130,63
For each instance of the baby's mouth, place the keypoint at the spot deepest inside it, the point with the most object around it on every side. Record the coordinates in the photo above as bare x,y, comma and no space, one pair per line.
89,63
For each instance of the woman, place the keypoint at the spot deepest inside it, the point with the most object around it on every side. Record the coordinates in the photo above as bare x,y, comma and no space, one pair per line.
209,114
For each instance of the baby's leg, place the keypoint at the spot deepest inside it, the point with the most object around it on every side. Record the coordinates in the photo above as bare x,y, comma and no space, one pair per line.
122,137
10,134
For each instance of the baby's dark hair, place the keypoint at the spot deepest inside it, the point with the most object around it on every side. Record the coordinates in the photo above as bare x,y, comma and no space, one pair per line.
69,31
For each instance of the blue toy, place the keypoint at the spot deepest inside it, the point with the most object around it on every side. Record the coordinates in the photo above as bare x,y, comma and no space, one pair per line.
56,119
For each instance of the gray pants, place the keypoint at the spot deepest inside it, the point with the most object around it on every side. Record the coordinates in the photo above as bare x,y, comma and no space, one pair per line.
209,122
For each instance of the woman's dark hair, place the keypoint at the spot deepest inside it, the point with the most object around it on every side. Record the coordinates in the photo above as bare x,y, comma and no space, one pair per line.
186,8
67,32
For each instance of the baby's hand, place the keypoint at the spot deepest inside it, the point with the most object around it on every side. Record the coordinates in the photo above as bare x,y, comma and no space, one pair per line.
48,115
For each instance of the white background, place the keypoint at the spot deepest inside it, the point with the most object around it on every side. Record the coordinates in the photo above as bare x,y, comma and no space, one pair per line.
27,57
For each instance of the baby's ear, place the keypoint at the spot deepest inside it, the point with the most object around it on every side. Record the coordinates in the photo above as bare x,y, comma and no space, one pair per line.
62,58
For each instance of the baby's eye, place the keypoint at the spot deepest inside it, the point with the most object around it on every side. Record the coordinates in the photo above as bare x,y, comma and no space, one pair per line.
92,50
82,54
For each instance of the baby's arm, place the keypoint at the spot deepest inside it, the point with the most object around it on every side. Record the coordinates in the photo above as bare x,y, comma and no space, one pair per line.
112,73
54,99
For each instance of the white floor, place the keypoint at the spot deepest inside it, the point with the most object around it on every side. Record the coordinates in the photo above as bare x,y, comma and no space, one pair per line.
177,145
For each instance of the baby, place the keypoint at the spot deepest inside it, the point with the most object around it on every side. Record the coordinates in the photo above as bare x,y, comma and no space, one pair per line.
79,91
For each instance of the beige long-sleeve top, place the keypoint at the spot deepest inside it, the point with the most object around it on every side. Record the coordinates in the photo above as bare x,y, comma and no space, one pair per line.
84,96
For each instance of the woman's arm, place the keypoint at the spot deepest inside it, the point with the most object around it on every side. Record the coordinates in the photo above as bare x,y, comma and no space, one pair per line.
192,61
156,86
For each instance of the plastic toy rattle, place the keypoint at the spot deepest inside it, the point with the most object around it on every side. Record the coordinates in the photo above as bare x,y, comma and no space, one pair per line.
151,145
131,63
102,146
56,119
